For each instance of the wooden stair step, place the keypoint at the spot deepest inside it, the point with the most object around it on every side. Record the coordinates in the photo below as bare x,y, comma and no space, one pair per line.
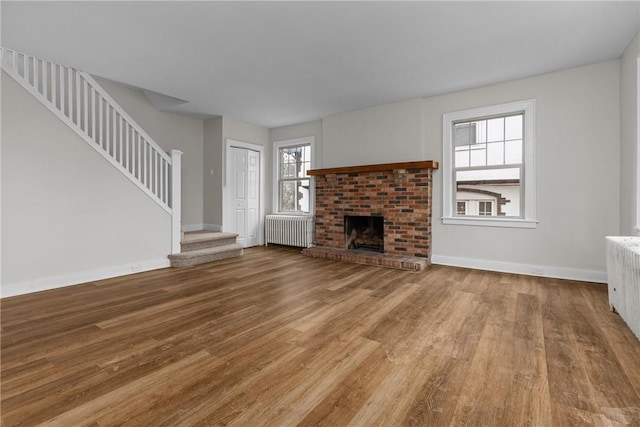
201,256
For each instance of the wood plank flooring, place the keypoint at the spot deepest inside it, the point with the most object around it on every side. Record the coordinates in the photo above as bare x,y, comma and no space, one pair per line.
274,338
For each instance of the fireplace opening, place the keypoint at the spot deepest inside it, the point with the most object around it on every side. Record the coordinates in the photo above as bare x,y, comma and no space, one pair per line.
364,233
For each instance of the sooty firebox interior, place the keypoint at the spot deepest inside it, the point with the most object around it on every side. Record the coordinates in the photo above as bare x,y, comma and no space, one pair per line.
364,233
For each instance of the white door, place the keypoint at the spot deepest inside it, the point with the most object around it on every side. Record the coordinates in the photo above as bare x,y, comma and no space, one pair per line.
243,178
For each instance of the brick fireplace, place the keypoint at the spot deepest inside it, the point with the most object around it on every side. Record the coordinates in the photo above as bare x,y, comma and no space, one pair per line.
400,193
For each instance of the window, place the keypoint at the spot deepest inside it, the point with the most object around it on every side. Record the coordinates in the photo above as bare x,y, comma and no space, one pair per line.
461,207
293,159
484,208
488,166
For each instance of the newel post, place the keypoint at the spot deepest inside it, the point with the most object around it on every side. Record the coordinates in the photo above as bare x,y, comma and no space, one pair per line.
176,201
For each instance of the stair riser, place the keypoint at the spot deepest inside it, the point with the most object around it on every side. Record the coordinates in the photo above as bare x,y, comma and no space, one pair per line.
186,247
205,258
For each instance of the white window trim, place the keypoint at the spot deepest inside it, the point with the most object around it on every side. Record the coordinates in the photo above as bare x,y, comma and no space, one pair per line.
529,220
277,145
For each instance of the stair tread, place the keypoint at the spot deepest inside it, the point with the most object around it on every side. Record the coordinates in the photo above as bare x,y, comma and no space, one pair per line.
204,236
207,251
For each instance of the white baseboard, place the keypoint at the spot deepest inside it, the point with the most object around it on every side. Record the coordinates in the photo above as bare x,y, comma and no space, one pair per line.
43,284
527,269
212,227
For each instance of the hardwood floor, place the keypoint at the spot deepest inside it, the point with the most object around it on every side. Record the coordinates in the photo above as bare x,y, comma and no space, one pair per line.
274,338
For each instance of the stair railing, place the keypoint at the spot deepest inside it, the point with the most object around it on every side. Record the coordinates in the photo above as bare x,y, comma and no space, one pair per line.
80,102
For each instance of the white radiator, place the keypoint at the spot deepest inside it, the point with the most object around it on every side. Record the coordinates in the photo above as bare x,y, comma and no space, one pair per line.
623,276
290,230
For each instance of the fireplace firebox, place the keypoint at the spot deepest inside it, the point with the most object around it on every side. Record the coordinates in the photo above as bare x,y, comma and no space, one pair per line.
364,233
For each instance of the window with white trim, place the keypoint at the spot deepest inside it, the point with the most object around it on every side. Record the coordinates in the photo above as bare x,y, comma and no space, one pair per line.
489,166
293,188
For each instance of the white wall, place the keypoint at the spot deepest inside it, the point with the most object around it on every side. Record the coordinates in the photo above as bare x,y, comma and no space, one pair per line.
68,216
578,161
383,134
212,158
578,182
171,132
629,138
247,132
216,132
301,130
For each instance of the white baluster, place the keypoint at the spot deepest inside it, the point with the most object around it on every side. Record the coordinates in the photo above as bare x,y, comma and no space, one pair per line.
93,116
139,156
127,157
165,181
107,138
36,74
78,102
85,102
100,134
69,94
25,67
45,86
145,180
121,145
61,88
113,117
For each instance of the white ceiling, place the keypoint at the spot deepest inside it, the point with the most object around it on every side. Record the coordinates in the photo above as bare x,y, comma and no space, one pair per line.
280,63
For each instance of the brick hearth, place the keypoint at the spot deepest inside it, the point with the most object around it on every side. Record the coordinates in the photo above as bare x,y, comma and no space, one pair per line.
401,192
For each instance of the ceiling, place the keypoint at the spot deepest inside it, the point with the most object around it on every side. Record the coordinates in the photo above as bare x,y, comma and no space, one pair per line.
280,63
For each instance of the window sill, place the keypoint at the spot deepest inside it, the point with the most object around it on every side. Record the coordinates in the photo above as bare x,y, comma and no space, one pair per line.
491,222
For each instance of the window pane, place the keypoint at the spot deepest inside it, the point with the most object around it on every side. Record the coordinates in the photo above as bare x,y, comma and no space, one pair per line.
288,170
293,183
495,129
513,127
464,134
481,131
488,174
501,187
303,170
462,157
461,208
495,153
484,208
478,157
513,152
287,196
303,195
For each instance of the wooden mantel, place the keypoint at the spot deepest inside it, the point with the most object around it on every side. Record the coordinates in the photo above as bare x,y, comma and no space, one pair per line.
424,164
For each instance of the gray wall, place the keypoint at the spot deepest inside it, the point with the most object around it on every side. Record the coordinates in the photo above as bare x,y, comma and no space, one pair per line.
216,133
578,160
65,210
300,131
383,134
170,131
629,138
212,158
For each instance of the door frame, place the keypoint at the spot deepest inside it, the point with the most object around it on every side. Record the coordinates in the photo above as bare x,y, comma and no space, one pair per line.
227,164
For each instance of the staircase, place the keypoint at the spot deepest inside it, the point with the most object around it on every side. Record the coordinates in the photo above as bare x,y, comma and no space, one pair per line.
199,247
83,105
